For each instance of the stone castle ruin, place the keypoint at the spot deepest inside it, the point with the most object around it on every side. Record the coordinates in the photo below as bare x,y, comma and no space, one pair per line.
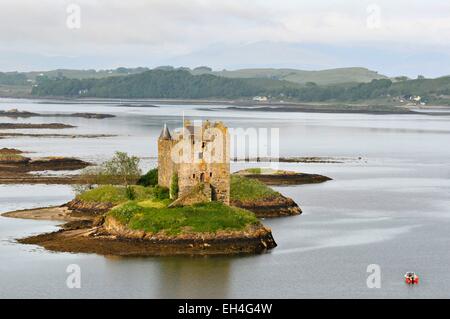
198,156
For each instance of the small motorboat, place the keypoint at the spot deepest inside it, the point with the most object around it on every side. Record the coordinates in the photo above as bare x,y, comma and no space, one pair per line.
411,278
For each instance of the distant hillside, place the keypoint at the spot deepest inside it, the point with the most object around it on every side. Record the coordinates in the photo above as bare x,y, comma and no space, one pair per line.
12,78
182,84
84,74
159,83
325,77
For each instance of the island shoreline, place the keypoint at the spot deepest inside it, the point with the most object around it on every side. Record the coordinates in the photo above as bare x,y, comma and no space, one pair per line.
247,105
85,233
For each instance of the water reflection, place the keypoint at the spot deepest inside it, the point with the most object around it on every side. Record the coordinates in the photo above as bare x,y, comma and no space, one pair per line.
201,277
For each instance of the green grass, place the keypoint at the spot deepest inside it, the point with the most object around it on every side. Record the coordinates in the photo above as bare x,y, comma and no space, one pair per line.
11,157
267,171
204,218
323,77
114,194
245,189
255,170
154,203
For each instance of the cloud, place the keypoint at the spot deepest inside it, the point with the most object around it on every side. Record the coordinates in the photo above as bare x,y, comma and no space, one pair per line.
167,29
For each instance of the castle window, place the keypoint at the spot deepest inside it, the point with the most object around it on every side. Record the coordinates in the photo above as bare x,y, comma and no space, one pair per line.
203,144
200,155
193,175
210,174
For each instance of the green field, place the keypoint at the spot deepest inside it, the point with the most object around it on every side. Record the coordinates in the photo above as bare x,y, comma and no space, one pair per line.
114,194
204,218
323,77
246,189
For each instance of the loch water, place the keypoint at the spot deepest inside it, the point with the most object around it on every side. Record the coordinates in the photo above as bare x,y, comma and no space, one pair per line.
388,204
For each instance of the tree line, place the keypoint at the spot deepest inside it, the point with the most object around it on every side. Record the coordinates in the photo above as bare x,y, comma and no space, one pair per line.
161,83
13,78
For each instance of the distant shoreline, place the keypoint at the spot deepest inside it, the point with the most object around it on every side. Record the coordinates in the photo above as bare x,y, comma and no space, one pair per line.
249,106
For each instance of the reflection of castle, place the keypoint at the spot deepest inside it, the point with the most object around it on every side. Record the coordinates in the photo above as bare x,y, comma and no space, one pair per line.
192,277
199,154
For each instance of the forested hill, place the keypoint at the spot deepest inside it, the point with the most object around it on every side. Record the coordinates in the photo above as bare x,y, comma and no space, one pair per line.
13,78
183,85
158,84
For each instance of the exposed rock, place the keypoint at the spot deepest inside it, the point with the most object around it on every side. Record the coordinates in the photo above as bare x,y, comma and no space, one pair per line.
299,159
10,151
57,163
18,164
13,159
89,115
288,179
275,206
118,240
15,113
90,208
9,126
45,135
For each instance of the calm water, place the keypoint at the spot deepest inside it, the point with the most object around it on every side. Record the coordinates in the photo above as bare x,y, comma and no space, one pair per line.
391,208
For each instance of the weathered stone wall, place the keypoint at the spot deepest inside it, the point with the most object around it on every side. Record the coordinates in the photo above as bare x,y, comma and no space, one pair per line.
165,163
206,161
199,193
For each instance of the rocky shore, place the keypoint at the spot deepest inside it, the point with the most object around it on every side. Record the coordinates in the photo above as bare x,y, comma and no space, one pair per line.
84,233
25,164
53,126
88,208
300,159
15,113
51,135
16,168
275,206
277,178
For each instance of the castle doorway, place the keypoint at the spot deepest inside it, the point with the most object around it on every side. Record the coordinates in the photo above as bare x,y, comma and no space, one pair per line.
213,193
202,177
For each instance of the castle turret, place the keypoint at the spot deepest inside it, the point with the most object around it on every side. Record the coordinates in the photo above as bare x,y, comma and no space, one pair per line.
165,164
165,134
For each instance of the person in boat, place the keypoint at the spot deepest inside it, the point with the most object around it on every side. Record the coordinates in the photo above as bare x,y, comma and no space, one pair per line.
411,278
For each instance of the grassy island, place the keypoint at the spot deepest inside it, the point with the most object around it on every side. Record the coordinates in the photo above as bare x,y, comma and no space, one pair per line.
9,157
270,176
246,189
146,207
148,211
114,194
210,217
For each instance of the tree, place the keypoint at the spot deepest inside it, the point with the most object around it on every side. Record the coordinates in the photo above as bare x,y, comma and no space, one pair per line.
120,170
401,78
149,179
123,168
174,186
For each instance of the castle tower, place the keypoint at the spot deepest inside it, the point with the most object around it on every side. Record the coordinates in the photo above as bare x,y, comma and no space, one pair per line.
166,167
205,159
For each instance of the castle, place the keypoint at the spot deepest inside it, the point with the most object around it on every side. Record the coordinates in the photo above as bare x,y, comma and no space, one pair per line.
198,155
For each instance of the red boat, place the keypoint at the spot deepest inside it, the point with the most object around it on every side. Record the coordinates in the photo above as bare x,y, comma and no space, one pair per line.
411,278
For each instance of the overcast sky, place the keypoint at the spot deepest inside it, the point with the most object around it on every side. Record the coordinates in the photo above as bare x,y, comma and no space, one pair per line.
398,37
